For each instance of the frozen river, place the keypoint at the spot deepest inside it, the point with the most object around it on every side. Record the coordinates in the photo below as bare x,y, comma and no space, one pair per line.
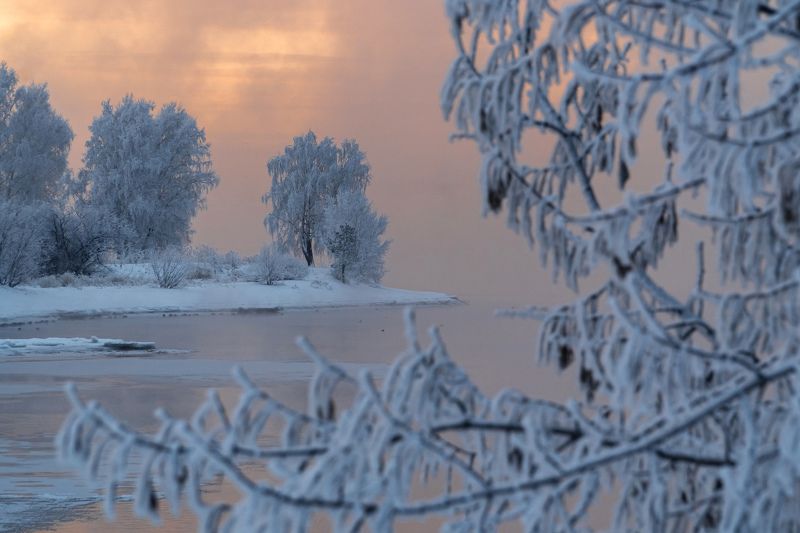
37,493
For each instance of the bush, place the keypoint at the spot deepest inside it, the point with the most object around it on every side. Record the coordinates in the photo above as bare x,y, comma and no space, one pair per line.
273,264
209,260
210,264
20,241
77,240
200,272
119,279
232,260
169,266
67,279
125,256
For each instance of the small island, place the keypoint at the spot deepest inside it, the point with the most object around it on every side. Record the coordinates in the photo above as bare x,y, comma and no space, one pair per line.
115,237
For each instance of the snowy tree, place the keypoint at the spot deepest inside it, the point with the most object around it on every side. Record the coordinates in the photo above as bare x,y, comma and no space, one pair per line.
151,171
21,237
688,417
353,236
305,179
34,141
342,245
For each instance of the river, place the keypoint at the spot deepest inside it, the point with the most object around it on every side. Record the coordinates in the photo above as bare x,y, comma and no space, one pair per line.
37,493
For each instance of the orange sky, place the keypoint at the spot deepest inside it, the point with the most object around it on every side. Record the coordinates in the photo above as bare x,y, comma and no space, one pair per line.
255,73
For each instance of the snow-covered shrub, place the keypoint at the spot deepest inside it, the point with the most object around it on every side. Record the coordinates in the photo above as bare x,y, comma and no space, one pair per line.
686,415
169,266
67,279
353,234
232,260
77,239
207,260
119,279
127,273
274,264
205,263
49,282
208,263
21,238
200,272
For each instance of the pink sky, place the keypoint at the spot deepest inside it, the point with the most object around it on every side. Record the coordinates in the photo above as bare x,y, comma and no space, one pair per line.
255,73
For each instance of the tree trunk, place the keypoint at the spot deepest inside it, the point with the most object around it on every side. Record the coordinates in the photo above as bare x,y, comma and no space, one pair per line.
308,252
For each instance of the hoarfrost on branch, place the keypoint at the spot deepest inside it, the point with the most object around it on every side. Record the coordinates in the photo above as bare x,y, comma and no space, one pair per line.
688,416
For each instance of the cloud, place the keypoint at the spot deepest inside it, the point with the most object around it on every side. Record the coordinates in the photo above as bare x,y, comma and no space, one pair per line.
205,54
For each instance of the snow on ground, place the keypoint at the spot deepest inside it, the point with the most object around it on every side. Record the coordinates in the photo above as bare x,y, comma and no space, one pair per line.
60,345
319,289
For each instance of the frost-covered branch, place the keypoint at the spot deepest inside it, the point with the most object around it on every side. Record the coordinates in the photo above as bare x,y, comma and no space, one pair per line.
687,411
186,450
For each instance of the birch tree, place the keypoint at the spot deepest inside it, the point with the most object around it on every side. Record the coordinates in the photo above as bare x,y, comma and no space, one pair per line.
151,171
305,179
688,417
34,141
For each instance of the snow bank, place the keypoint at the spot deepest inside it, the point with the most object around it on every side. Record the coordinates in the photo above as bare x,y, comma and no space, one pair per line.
62,345
319,289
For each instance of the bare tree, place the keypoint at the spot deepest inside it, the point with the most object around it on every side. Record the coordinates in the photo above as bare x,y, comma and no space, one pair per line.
689,413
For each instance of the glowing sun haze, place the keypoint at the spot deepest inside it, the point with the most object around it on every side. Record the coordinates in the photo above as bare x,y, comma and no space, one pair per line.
255,73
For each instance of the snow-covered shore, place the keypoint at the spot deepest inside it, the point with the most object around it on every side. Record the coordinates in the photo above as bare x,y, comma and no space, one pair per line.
319,289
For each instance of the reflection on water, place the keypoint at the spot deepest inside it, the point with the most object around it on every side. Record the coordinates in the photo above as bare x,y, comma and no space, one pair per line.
36,492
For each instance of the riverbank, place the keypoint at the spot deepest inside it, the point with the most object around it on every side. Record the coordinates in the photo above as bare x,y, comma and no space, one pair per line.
318,290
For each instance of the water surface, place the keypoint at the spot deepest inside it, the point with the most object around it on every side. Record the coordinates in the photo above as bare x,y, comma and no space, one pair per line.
36,492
